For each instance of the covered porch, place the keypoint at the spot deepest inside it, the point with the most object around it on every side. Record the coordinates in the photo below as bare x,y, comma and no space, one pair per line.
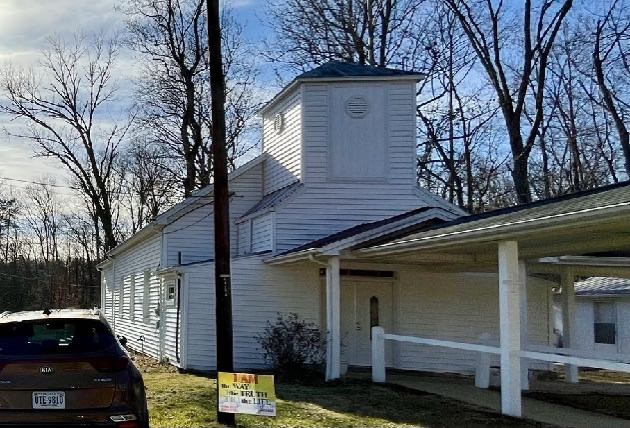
556,241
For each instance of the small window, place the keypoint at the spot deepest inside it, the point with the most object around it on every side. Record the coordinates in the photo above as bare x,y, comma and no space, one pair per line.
605,322
146,297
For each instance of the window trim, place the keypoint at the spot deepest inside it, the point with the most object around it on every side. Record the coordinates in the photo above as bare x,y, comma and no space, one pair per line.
615,322
146,297
132,297
121,297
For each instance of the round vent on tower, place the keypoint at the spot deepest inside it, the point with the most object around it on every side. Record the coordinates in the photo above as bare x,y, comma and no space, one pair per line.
357,107
278,123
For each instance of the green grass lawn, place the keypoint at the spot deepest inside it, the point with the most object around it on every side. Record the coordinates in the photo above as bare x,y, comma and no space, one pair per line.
187,400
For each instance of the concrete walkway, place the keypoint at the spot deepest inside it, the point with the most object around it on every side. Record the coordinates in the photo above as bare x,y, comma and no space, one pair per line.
459,388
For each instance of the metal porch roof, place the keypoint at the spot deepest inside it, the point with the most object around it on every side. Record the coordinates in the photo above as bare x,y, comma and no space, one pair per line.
554,208
602,286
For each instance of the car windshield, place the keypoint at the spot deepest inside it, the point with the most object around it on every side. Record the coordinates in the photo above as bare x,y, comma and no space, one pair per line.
54,337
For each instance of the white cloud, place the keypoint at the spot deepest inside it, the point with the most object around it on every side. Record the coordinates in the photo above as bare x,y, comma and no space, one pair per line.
26,24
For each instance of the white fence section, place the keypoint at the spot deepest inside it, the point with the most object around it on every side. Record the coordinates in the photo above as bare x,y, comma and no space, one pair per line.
482,374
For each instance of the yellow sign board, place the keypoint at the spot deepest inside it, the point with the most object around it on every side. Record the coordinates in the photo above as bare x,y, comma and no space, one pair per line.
247,393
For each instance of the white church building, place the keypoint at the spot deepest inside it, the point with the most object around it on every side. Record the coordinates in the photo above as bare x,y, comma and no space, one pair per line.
328,222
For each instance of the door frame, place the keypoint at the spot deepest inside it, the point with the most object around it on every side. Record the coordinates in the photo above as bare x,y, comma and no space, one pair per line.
395,282
597,347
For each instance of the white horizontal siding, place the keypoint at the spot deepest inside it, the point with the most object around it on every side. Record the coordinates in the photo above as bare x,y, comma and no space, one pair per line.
283,165
584,323
171,333
143,257
259,293
244,237
262,233
323,209
192,234
398,119
458,307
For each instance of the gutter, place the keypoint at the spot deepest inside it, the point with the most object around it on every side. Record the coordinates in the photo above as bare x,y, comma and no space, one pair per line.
293,257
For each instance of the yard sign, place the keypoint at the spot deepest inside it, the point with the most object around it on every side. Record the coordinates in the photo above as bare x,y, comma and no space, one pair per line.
247,393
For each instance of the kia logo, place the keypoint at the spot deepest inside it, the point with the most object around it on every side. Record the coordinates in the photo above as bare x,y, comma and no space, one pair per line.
46,370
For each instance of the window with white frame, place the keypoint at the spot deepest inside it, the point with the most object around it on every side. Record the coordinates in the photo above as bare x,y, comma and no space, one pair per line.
146,297
605,322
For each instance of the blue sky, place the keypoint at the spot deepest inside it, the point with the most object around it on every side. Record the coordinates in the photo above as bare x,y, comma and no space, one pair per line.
26,24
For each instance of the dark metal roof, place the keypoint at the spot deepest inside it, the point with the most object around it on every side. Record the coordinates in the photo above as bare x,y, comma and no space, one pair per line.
274,198
366,227
336,69
570,203
602,286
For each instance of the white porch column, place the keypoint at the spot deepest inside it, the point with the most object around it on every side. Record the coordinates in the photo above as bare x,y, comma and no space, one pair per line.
509,328
522,282
333,318
568,320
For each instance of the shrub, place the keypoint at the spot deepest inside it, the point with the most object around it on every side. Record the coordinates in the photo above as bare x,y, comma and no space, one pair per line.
293,347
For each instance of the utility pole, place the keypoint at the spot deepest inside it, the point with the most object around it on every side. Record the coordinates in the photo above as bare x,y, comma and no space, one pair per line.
223,286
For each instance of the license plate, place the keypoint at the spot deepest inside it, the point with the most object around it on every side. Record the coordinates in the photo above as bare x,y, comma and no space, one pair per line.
49,400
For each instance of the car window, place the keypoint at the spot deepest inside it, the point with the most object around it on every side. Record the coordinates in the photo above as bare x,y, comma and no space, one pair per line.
54,337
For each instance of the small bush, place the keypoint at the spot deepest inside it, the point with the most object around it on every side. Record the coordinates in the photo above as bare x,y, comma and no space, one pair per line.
293,347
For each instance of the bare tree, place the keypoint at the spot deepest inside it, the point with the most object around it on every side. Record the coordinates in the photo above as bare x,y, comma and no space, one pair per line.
63,107
43,216
173,94
482,22
375,32
452,112
149,182
611,61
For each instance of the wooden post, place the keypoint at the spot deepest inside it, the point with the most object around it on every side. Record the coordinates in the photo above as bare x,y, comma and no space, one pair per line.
333,317
568,320
510,329
378,354
522,282
222,275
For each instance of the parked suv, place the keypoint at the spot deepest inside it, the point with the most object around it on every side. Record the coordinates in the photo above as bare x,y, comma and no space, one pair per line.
66,368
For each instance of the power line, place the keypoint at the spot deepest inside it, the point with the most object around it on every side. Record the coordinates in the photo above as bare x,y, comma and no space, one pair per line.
19,180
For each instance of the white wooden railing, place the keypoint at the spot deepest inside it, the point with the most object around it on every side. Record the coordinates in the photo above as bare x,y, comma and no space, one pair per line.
616,362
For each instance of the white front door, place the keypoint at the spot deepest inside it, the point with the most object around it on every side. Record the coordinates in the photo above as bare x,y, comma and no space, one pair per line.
364,304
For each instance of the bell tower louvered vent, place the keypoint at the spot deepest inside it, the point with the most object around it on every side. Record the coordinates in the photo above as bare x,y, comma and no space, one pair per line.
357,107
278,123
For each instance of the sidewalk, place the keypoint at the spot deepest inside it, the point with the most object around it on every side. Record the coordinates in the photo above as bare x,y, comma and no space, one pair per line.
536,410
